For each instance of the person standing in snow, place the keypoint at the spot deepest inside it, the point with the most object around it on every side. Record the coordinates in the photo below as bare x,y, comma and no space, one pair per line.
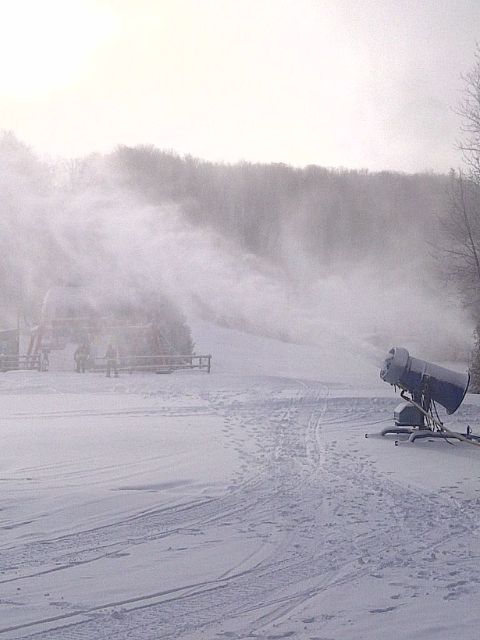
44,361
111,357
3,360
80,356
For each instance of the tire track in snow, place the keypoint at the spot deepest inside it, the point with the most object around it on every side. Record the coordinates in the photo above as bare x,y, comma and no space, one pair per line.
289,448
318,499
148,526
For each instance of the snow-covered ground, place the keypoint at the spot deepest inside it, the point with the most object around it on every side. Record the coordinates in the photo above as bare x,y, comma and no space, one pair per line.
241,504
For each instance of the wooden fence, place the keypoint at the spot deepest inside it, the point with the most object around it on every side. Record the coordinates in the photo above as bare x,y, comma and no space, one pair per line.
158,364
14,362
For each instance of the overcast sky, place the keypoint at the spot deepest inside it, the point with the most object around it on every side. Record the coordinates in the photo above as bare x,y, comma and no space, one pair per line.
353,83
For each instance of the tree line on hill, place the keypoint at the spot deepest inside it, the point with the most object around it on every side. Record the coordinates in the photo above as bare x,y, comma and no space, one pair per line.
335,217
335,220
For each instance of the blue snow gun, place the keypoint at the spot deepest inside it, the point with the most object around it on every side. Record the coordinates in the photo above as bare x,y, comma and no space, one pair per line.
423,385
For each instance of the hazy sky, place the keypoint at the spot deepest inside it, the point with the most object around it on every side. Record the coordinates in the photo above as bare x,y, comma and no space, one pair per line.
353,83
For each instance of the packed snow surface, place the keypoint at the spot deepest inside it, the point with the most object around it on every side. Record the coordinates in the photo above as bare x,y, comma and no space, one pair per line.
241,504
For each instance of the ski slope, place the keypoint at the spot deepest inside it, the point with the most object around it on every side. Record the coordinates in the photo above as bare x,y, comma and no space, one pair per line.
241,504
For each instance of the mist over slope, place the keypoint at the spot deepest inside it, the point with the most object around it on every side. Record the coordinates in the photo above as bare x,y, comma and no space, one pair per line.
309,255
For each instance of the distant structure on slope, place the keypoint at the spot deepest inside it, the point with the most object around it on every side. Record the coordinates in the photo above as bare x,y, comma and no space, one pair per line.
148,331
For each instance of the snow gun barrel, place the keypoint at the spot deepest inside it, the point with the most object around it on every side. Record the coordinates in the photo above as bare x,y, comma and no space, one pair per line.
425,379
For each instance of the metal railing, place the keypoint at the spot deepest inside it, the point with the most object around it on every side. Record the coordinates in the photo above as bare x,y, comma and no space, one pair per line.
14,362
158,364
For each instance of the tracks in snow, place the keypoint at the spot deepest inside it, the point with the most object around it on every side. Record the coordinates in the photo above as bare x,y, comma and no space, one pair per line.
323,518
254,504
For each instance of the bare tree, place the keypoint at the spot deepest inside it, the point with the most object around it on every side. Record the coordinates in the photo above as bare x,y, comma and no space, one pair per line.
463,222
469,110
462,232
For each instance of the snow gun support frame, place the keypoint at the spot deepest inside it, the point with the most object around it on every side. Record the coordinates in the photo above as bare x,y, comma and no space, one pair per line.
426,384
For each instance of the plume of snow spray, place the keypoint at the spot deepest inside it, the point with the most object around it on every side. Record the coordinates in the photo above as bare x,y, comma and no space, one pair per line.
104,238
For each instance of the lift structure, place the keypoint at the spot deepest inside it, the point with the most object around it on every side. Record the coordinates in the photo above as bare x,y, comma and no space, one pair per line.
71,316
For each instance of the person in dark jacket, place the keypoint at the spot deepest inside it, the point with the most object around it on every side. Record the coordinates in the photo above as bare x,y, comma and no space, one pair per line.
44,363
81,357
112,360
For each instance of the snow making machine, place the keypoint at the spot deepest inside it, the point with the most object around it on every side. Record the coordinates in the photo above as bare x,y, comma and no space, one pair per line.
422,385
